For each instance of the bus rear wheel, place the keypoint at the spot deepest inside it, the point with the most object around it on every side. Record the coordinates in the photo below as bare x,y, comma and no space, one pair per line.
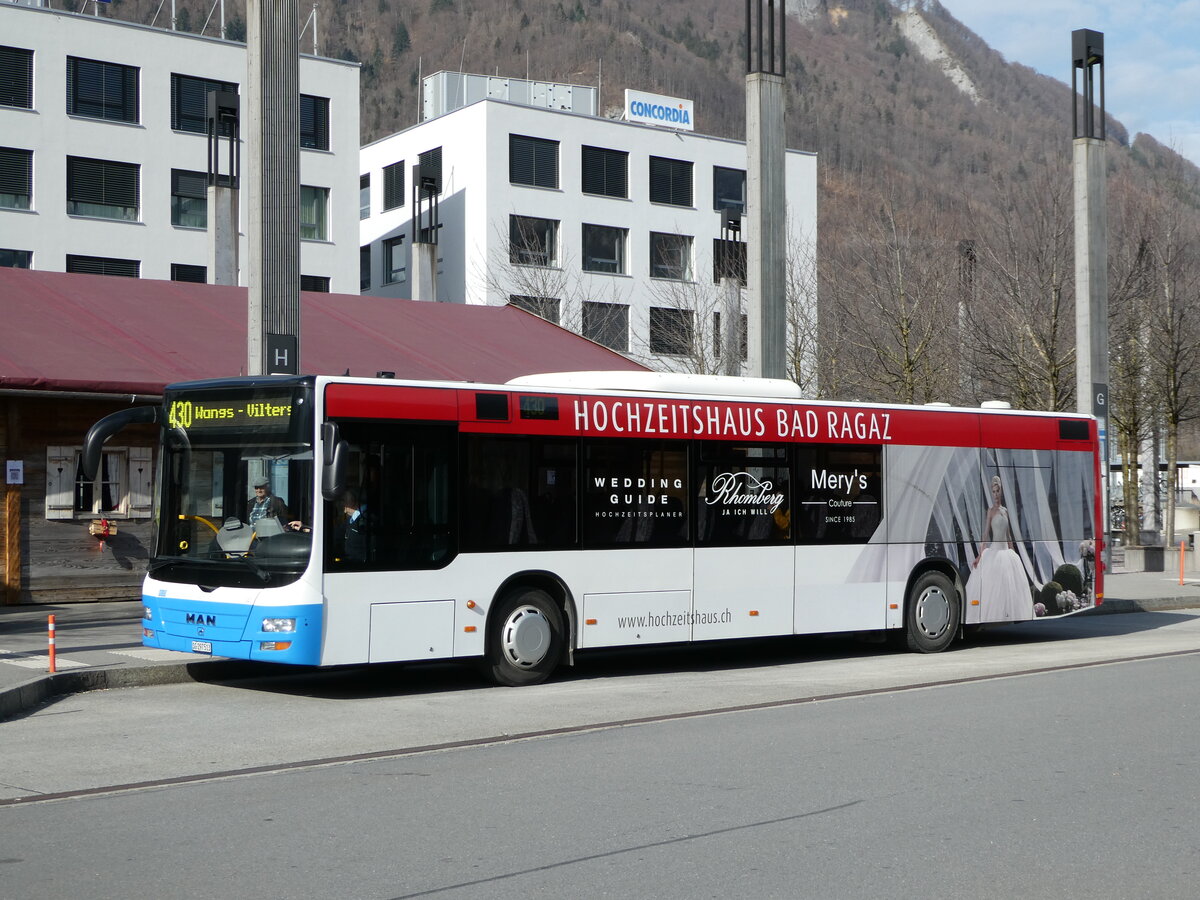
525,639
933,614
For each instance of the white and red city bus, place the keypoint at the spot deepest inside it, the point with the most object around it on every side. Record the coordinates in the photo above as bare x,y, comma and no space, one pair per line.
521,523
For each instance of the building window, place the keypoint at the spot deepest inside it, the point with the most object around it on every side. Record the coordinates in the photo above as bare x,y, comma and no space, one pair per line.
395,263
729,189
16,178
431,168
393,186
102,265
189,199
102,188
605,172
189,101
123,486
364,196
532,161
16,77
729,258
607,324
318,284
364,267
670,181
314,122
546,307
189,273
670,256
604,249
532,241
102,90
314,213
16,259
670,331
719,336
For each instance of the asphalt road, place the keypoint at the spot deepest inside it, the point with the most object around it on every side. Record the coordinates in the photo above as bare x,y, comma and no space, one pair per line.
1054,759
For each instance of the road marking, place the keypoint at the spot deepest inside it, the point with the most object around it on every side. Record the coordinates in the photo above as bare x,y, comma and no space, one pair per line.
29,661
155,654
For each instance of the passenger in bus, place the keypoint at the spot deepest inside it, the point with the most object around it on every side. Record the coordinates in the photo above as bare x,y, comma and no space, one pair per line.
351,535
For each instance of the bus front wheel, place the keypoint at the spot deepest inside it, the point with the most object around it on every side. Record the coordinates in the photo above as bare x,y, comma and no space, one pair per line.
525,639
933,614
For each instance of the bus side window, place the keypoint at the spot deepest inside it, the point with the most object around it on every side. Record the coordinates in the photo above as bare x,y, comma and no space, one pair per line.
519,493
636,493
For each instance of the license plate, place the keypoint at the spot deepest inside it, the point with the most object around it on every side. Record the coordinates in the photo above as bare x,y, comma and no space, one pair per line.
202,646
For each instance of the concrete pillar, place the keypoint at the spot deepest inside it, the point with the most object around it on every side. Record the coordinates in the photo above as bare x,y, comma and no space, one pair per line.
424,271
731,326
272,130
223,235
766,202
1091,277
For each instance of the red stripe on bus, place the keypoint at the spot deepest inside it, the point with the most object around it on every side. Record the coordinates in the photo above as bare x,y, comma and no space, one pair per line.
378,401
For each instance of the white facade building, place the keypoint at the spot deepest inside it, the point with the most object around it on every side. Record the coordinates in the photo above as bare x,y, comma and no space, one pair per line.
103,150
607,227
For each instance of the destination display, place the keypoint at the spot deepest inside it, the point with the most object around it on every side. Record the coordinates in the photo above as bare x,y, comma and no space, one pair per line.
271,412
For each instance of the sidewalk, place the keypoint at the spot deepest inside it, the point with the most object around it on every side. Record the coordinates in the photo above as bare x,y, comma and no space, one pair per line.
98,645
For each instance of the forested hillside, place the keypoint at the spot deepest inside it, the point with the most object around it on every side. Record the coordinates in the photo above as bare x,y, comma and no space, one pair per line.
946,231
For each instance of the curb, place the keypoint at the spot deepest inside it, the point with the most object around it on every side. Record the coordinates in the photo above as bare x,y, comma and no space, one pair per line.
32,693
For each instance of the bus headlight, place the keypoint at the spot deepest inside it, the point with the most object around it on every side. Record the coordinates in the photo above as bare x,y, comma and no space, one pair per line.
281,625
147,612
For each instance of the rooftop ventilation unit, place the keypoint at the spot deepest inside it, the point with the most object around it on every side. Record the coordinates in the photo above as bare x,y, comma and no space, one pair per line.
444,92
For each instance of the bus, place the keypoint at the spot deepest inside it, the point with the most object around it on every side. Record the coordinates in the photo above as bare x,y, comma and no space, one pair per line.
327,521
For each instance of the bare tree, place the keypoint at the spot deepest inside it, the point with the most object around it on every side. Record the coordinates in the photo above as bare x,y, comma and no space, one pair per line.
529,269
1131,403
890,288
1021,319
1174,345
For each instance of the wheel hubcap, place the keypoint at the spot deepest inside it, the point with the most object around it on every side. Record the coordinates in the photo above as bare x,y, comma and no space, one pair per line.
526,637
932,612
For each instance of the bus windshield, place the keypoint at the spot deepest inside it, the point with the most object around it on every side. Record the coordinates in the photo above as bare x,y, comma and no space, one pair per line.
237,489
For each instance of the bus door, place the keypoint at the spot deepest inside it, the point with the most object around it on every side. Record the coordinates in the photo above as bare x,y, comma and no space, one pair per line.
841,552
385,539
744,562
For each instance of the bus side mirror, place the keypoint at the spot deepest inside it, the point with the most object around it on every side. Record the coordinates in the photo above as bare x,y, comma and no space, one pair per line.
93,442
333,455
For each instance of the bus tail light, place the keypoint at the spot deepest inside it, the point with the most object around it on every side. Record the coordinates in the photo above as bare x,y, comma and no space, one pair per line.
148,632
274,645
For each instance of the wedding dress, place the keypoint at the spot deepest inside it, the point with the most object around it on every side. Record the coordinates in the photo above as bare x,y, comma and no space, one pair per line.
999,582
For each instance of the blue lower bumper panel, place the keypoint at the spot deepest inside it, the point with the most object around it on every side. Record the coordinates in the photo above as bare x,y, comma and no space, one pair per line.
233,631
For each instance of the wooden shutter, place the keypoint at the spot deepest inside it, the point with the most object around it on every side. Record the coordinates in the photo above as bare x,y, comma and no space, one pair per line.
60,482
141,482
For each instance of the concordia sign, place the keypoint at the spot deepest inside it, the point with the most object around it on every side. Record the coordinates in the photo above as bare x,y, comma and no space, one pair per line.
653,109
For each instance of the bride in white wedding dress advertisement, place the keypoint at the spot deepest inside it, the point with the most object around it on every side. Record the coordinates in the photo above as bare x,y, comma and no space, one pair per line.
998,581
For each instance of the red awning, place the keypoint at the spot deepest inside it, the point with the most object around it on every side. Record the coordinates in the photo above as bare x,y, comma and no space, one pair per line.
127,335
